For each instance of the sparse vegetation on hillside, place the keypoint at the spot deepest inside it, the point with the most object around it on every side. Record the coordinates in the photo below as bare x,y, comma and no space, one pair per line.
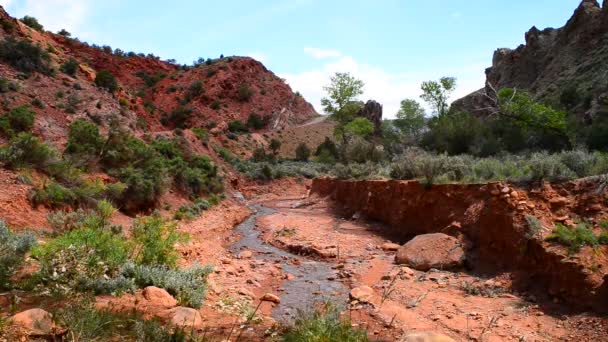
105,79
25,56
33,23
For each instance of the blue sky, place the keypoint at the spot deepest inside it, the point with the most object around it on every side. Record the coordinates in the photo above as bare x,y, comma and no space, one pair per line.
393,45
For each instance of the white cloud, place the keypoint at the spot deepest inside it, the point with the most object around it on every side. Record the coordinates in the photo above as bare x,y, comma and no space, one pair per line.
385,87
322,53
53,14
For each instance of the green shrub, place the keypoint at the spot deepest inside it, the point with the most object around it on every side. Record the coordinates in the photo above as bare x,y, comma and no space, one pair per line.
155,240
6,85
187,286
544,166
244,93
143,185
192,210
194,90
84,139
215,105
236,126
70,67
151,80
106,80
7,25
570,97
25,56
255,121
302,152
19,119
33,23
77,257
178,117
26,150
575,238
323,325
13,248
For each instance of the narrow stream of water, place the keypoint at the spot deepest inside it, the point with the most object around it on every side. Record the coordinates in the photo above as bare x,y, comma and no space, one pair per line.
314,281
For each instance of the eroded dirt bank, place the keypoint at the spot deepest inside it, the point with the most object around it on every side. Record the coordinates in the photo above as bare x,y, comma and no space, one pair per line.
491,220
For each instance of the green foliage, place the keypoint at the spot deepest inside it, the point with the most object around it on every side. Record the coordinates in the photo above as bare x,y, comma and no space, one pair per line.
150,80
84,139
570,97
80,256
215,105
25,56
323,325
6,85
360,127
437,94
457,133
178,118
544,166
187,286
359,150
255,121
575,238
236,126
192,210
275,145
244,93
194,90
19,119
33,23
327,149
70,67
105,79
26,150
13,248
155,240
343,89
410,118
302,152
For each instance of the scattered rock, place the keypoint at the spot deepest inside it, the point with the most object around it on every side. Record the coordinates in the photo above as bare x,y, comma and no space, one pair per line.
269,297
428,251
246,292
427,337
245,255
159,296
389,246
181,316
35,321
362,293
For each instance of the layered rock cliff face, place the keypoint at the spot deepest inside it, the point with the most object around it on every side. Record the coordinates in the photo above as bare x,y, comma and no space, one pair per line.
552,60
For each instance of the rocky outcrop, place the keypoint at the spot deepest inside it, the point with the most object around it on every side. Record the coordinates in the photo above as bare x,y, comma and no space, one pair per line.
428,251
35,322
372,111
552,60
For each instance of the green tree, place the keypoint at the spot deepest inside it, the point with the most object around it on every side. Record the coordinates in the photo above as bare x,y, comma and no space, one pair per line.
106,79
302,152
343,89
410,118
437,93
32,22
275,145
360,127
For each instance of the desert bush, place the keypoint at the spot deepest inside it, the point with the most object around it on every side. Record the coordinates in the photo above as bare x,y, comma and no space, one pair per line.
201,134
188,286
26,150
75,258
105,79
13,248
6,85
84,141
255,121
150,80
573,239
544,166
25,56
361,151
33,23
178,117
215,105
70,67
237,126
192,210
570,97
244,93
302,152
324,324
154,241
19,119
580,162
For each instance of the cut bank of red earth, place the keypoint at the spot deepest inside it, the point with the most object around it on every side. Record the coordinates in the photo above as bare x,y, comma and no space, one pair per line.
490,220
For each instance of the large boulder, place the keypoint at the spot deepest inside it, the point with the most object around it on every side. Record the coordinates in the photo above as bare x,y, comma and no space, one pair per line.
181,316
35,321
428,251
159,296
372,111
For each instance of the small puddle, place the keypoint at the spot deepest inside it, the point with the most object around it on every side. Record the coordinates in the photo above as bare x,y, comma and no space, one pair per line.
312,282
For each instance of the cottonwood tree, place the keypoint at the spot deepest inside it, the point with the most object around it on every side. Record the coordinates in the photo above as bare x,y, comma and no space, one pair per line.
343,89
410,118
437,94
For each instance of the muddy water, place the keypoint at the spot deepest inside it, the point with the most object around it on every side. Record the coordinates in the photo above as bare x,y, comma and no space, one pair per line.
314,281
